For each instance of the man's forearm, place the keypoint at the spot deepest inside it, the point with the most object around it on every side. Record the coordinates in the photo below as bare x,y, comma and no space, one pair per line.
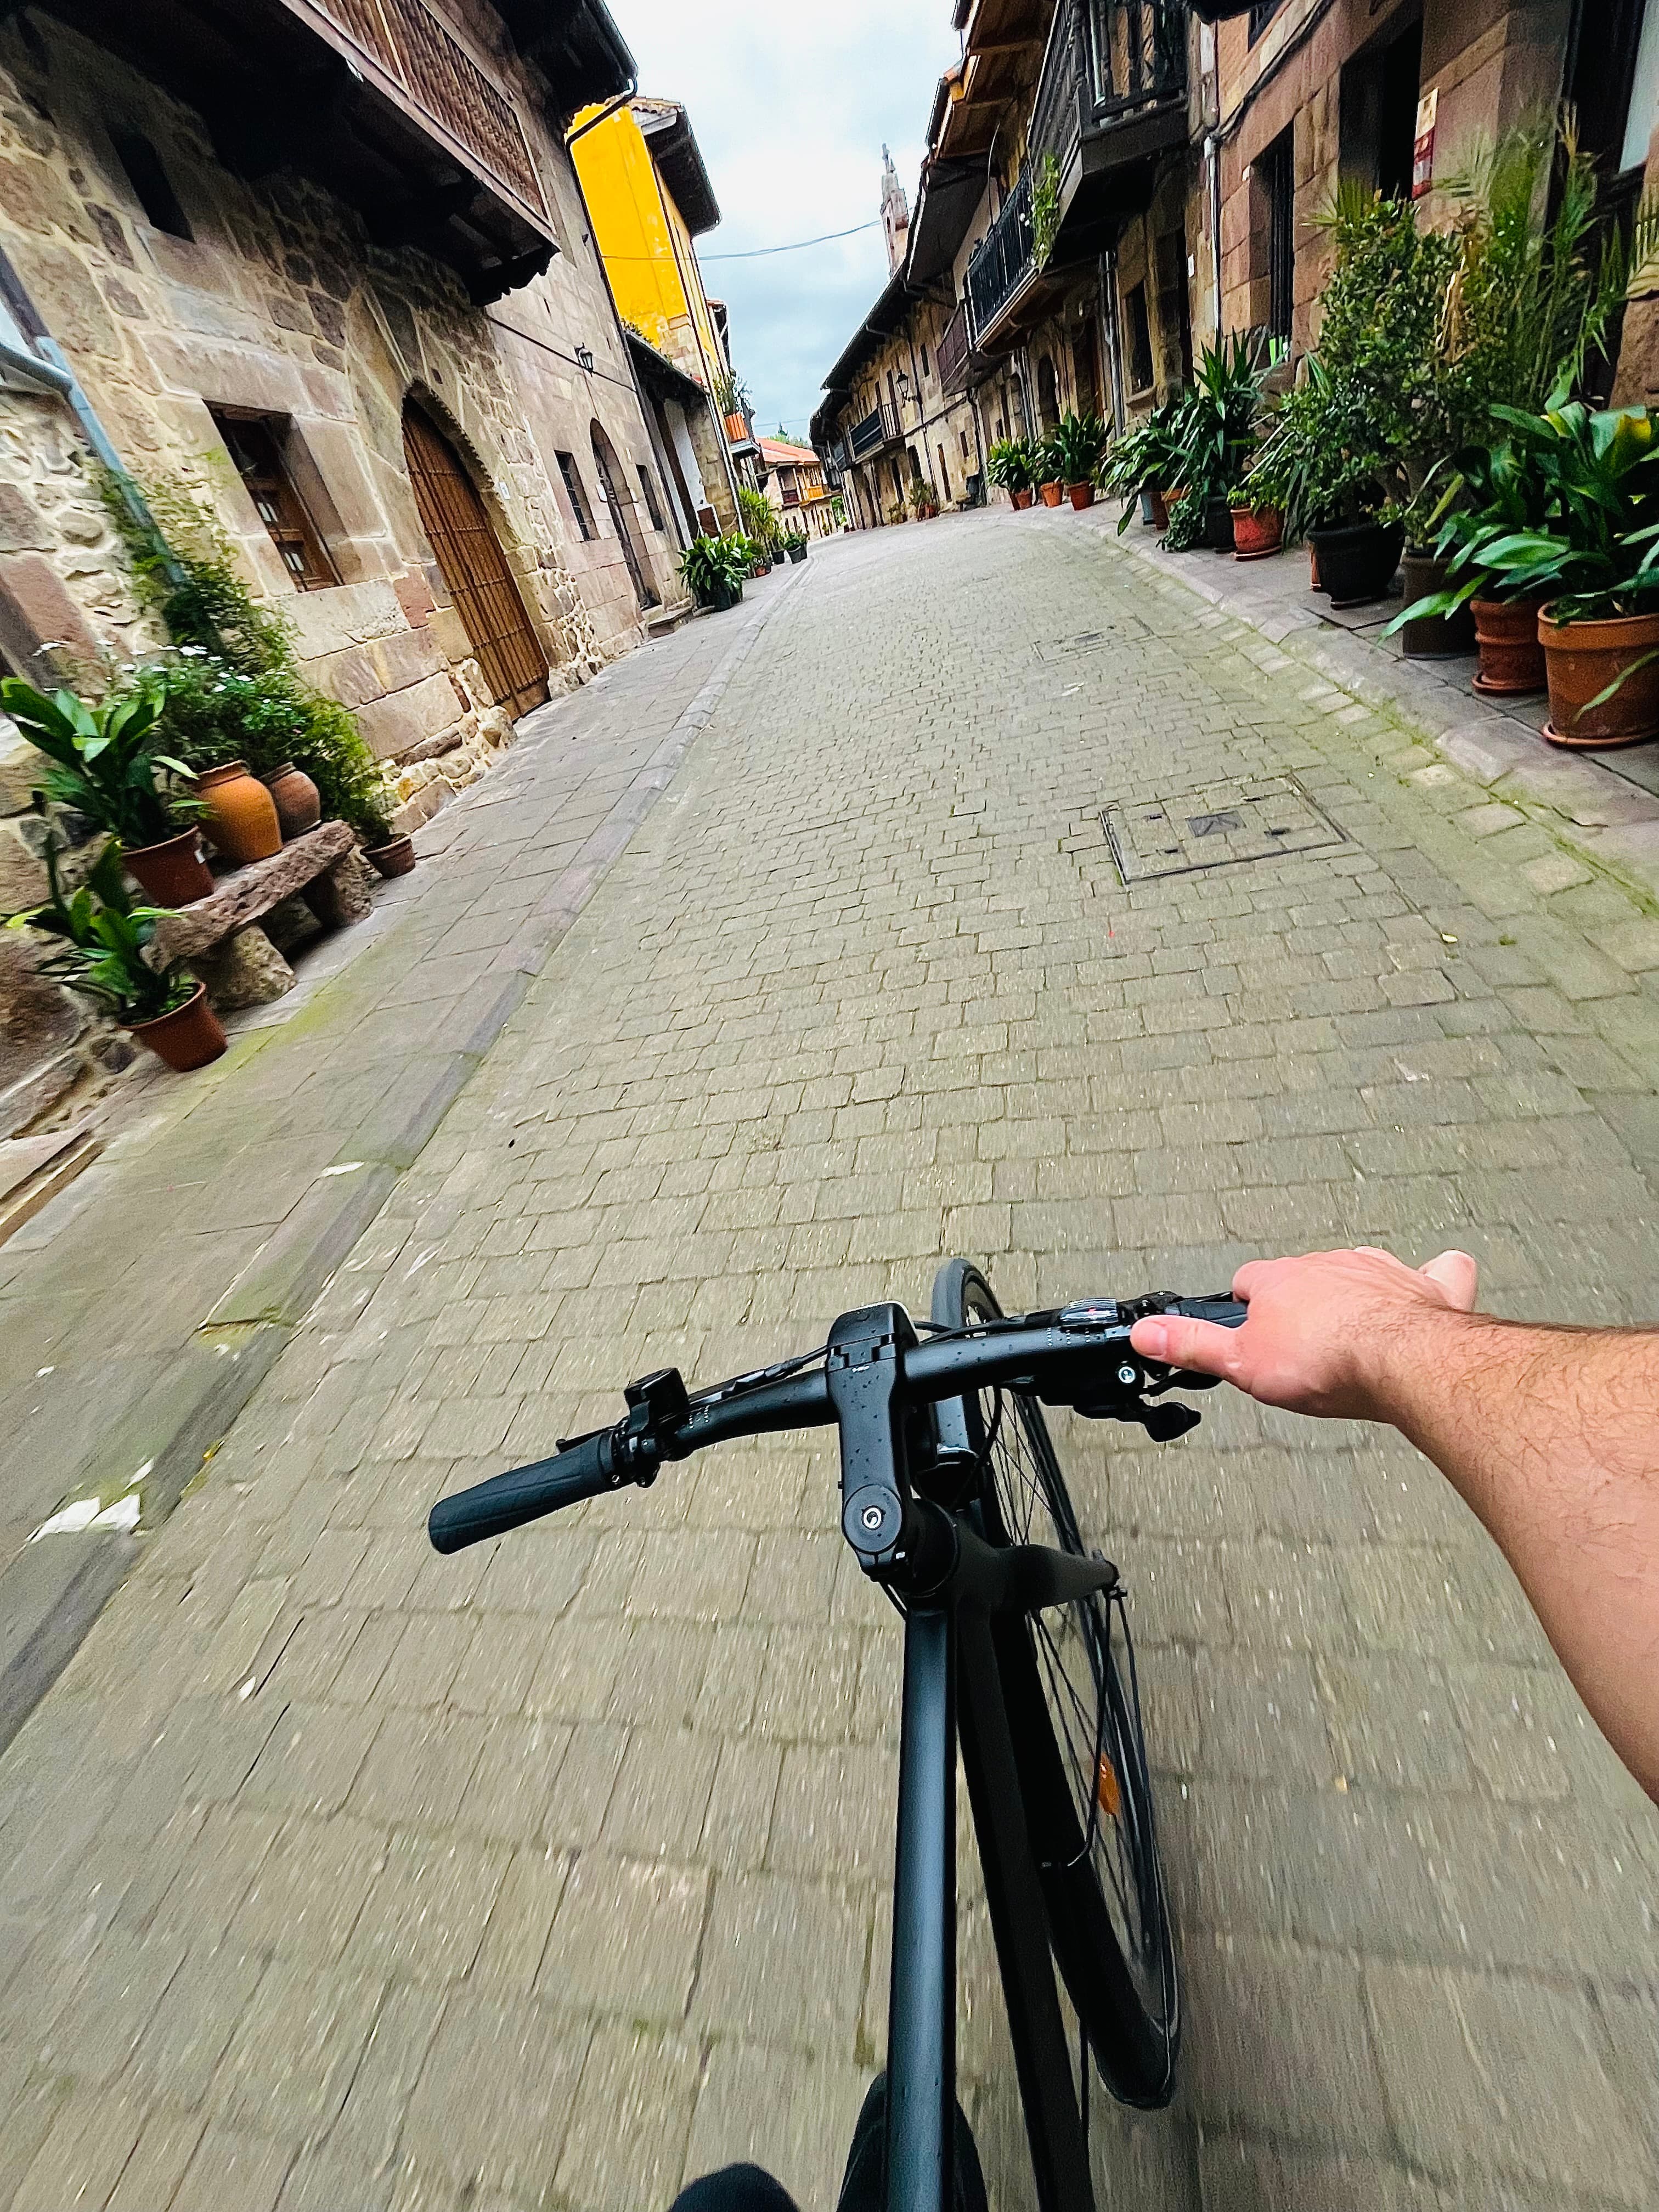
1550,1436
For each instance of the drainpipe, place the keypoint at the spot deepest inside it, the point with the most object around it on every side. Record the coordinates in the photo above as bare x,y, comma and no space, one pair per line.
605,113
47,367
1212,156
1109,318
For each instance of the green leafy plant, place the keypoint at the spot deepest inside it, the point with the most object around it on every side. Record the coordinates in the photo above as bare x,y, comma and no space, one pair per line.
233,687
729,393
1075,447
101,942
924,500
761,519
1143,458
712,565
1570,509
1012,465
104,760
898,512
1045,210
1216,422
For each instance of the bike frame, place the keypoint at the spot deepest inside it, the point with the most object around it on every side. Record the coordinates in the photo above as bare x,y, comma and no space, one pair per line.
960,1594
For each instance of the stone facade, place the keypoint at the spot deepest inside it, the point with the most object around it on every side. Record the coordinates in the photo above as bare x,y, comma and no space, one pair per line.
278,304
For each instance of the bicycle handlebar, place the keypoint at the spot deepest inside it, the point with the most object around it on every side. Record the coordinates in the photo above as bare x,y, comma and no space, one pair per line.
1061,1355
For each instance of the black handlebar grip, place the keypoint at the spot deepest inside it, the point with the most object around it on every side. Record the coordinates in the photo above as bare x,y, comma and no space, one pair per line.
586,1469
1226,1313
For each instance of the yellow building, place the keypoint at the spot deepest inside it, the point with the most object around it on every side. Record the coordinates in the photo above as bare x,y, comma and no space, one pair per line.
649,199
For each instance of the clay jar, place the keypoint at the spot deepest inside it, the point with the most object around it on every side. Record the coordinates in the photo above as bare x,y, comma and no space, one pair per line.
240,814
298,802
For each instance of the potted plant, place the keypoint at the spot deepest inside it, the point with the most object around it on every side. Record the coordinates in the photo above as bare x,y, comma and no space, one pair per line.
1213,430
102,942
795,544
1140,464
1050,489
924,503
714,568
898,512
1009,465
732,400
1591,554
1076,445
104,761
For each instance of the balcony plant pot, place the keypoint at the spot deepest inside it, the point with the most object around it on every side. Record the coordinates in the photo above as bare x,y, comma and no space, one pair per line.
1257,533
1081,495
298,802
395,858
1433,637
1051,494
1021,498
1582,659
172,873
1506,637
1357,560
190,1037
241,815
736,430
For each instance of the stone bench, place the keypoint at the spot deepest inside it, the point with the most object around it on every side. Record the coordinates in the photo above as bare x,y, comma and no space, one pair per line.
219,937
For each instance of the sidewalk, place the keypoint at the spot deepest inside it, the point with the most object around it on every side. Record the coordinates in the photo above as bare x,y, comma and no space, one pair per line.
1605,805
139,1310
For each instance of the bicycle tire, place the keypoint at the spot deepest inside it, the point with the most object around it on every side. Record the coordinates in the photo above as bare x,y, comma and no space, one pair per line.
1069,1701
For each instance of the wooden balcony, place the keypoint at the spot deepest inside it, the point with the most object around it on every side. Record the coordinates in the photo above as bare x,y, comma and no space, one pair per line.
954,351
378,99
878,430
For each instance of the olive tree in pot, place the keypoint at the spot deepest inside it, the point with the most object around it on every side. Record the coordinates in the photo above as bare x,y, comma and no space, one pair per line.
106,763
100,944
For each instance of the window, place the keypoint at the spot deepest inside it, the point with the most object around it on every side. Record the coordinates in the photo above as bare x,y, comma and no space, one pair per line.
572,484
1377,112
1140,339
1277,170
255,443
151,185
925,369
1174,302
962,434
652,506
943,474
1261,14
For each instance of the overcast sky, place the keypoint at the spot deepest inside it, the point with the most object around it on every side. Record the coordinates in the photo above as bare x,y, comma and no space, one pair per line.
791,106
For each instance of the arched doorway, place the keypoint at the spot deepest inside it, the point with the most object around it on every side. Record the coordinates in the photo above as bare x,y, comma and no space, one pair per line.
1047,393
619,501
474,568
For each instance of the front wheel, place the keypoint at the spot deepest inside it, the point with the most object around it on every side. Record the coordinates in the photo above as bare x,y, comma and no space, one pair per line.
1069,1682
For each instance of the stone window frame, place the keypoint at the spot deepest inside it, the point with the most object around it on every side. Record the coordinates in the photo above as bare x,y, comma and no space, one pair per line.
140,162
653,504
296,520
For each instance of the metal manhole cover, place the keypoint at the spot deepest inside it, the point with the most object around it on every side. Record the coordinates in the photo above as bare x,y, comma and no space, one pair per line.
1217,826
1123,628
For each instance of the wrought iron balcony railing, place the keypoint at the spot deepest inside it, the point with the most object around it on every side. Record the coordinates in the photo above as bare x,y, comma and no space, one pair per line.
876,431
1002,263
1109,65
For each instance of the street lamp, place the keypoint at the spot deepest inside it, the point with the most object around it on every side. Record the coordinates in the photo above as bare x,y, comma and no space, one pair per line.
904,389
585,358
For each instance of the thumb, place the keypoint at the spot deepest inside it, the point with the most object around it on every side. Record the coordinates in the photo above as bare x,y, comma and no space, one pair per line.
1203,1347
1457,1275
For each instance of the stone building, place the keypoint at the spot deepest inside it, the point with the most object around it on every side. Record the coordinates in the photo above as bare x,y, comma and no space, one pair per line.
331,271
1108,184
648,192
792,477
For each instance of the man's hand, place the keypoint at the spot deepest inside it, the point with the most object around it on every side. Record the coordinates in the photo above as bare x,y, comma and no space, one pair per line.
1325,1333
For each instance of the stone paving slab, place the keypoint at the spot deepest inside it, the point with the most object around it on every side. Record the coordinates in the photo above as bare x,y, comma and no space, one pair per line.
257,1176
334,1872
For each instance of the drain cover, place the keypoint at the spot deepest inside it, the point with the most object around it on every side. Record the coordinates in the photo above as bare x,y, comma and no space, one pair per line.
1217,826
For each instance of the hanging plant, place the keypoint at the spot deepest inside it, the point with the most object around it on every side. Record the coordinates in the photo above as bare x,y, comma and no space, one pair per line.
1045,210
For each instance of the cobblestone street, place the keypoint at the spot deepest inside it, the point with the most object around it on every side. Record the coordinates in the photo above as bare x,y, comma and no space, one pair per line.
336,1874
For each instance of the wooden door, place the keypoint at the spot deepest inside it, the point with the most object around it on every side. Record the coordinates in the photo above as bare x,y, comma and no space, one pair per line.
474,568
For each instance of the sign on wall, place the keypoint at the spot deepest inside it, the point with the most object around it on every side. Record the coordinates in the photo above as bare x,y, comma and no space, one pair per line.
1423,150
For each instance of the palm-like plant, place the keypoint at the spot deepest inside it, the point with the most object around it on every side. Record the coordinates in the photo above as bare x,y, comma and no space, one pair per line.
1012,465
1075,446
1142,459
103,760
101,939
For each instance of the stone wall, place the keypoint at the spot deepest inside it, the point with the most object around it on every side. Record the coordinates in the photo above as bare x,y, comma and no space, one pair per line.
279,304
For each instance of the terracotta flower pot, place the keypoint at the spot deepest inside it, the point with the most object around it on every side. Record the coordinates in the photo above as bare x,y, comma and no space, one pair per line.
241,815
1506,635
1357,561
1051,494
190,1037
1582,659
1257,531
1159,517
298,803
1434,637
737,429
395,858
172,873
1021,498
1081,495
